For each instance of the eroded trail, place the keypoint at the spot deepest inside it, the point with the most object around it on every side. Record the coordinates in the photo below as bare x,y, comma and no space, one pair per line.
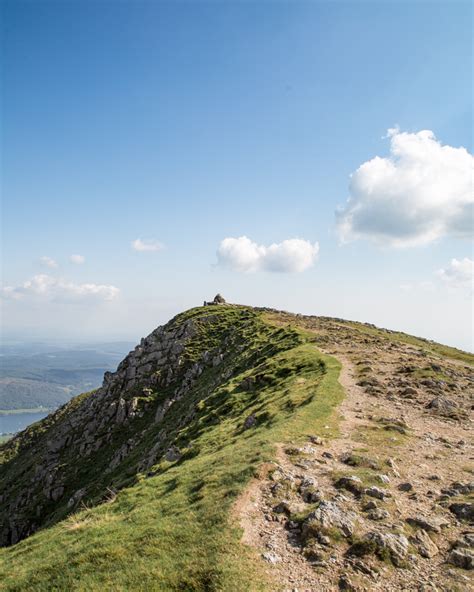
373,508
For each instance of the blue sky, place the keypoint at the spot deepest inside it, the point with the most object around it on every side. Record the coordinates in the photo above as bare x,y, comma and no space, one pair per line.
191,122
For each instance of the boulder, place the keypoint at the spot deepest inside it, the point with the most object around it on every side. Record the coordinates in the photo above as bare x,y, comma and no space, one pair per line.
173,454
352,484
346,584
378,493
463,511
76,498
463,558
378,514
271,557
329,514
423,543
445,407
395,545
424,524
250,421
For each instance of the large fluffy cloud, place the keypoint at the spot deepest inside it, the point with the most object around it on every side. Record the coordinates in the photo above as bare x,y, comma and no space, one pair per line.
244,255
51,288
146,245
423,191
459,273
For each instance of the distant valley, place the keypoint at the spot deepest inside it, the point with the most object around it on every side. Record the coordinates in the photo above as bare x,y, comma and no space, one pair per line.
39,377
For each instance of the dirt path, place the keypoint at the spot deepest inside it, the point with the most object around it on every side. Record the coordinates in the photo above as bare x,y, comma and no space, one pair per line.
393,441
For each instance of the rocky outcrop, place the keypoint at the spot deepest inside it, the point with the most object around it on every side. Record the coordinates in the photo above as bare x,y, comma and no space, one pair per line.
131,421
329,514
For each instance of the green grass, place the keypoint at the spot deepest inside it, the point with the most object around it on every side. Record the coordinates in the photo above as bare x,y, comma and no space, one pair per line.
429,373
357,459
174,531
367,475
380,437
443,351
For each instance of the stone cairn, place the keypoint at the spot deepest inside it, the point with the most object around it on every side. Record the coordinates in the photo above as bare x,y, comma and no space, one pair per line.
218,299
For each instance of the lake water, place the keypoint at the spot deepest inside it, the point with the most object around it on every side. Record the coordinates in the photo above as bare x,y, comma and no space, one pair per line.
9,424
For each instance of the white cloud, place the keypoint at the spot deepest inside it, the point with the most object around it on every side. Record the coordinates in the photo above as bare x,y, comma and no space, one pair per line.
146,245
77,259
422,192
51,288
48,262
458,273
242,254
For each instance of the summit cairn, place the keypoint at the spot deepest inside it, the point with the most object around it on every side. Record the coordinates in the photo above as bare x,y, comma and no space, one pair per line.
218,299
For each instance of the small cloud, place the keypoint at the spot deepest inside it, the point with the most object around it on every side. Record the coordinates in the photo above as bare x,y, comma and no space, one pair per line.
458,273
77,259
51,288
290,256
48,262
146,245
420,193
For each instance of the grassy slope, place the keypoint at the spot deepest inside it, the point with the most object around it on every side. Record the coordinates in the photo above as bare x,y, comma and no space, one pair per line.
443,351
173,531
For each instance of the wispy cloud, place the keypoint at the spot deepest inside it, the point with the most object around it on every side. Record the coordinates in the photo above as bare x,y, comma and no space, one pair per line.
51,288
77,259
48,262
422,192
291,256
146,245
458,273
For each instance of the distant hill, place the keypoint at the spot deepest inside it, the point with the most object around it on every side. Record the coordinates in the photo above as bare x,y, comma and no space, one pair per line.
238,449
38,375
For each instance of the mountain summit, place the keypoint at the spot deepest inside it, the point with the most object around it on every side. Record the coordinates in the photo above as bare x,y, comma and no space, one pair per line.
238,448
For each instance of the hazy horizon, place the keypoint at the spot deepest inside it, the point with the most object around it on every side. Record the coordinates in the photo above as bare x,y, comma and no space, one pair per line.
71,337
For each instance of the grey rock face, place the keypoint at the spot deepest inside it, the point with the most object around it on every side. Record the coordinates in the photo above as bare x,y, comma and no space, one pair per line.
95,426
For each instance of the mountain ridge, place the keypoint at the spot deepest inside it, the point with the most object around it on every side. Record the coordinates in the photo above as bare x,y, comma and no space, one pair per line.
213,381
